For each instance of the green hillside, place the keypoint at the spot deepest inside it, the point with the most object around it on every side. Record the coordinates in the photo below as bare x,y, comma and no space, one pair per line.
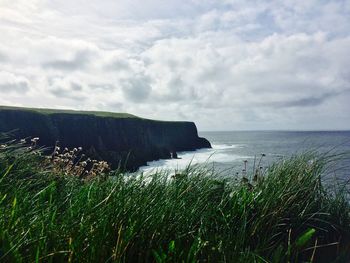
58,111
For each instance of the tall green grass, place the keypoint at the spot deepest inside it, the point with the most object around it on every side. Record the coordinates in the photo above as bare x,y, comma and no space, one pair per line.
198,216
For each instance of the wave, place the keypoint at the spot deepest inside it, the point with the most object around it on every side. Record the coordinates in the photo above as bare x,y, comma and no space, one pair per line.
226,146
218,153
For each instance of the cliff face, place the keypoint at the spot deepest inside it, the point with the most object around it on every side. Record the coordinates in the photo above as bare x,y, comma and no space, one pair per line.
126,141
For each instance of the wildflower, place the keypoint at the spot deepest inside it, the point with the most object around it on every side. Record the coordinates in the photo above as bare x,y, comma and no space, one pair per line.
3,146
34,140
23,141
311,162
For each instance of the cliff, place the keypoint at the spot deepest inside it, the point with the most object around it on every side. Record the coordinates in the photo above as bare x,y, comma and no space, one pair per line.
120,139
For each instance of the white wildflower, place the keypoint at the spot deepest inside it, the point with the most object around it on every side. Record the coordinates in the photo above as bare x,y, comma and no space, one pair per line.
35,139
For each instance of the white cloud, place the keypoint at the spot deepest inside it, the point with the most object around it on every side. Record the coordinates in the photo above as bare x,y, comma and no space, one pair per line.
10,83
228,65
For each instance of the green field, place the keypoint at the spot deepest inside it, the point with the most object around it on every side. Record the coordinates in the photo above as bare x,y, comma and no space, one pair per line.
117,115
57,111
285,214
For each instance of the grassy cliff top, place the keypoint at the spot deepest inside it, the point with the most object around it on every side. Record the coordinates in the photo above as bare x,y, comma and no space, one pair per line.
58,111
117,115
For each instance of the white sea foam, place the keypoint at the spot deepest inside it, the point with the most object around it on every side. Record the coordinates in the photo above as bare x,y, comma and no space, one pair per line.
219,153
226,146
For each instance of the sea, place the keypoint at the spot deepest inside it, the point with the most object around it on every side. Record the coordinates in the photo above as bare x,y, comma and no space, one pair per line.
233,151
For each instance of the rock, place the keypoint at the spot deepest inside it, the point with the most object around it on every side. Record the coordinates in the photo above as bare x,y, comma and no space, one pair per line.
174,155
123,140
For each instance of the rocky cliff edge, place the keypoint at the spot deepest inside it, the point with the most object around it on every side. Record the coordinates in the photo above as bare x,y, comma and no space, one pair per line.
121,139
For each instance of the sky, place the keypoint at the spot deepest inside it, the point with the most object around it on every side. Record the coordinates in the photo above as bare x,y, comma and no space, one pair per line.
226,65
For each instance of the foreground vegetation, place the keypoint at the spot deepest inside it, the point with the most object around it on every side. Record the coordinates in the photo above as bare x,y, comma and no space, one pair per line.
285,214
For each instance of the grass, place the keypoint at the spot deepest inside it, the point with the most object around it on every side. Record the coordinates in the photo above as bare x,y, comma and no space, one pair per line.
105,114
287,215
61,111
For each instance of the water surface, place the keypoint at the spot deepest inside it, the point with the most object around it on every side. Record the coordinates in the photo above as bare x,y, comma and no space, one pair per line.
232,148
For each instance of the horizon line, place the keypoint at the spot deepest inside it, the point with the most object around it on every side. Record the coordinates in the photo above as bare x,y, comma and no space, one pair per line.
276,130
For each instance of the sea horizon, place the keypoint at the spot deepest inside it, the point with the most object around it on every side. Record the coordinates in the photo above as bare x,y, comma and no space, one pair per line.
278,130
231,148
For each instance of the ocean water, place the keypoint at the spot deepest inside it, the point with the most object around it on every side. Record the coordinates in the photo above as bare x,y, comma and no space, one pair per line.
232,148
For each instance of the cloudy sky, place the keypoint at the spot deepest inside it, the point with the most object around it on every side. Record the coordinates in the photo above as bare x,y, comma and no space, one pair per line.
227,65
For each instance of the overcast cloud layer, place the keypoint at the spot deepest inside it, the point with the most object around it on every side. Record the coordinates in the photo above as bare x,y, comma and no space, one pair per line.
224,64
